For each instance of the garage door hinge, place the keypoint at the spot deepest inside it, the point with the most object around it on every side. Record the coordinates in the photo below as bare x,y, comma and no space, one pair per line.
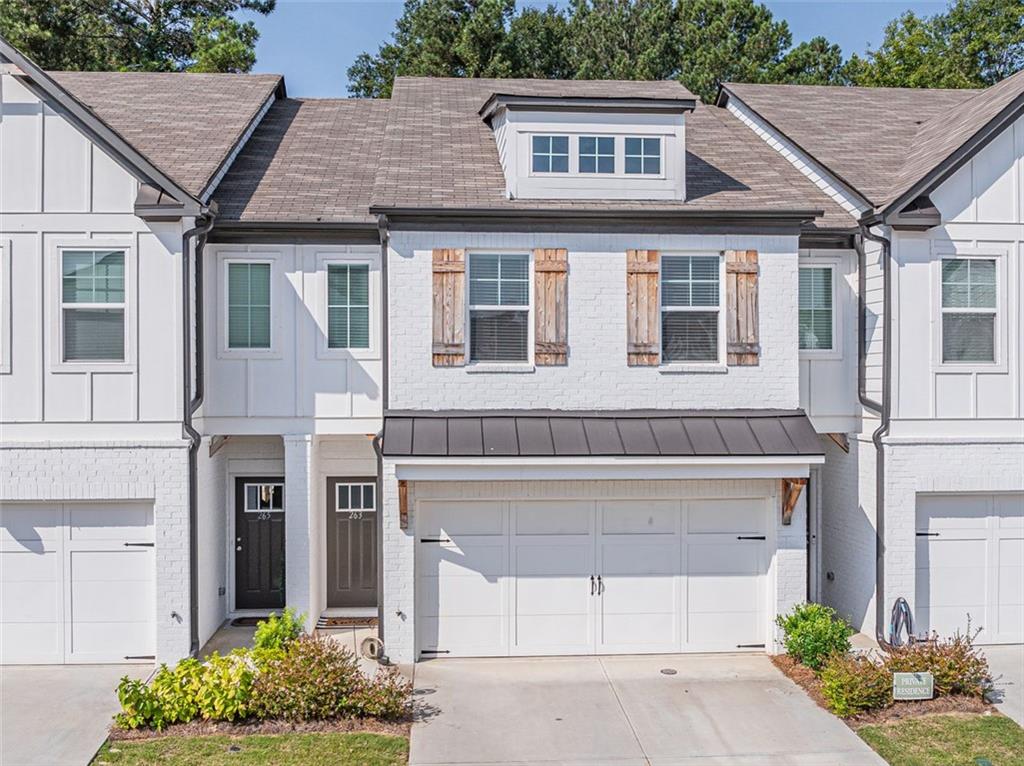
434,540
927,534
139,545
750,537
140,656
435,651
750,646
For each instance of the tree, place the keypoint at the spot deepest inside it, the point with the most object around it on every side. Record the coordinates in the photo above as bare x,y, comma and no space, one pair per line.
143,35
815,62
623,39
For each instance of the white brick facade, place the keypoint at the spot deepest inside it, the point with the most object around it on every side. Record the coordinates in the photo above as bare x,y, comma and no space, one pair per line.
787,575
70,471
596,376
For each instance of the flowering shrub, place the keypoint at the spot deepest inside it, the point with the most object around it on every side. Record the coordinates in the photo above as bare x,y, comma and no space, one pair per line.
955,664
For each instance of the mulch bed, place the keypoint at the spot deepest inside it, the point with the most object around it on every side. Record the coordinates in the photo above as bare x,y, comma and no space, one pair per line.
245,728
806,679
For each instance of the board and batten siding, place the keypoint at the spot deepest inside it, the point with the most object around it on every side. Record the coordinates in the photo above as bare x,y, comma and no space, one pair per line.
58,189
596,374
299,385
982,208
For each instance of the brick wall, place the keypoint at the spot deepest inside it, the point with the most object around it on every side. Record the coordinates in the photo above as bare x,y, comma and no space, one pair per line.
74,471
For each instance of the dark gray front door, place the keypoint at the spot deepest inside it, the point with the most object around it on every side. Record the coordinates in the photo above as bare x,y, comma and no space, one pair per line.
259,543
351,542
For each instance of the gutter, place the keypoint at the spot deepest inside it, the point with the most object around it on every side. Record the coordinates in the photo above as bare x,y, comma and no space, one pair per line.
662,214
885,413
378,448
191,401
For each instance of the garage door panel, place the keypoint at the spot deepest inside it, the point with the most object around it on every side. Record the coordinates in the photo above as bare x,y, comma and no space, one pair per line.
636,559
728,557
939,512
488,559
639,518
1011,621
111,566
454,519
552,518
725,517
572,559
31,600
951,553
26,566
120,522
724,631
550,595
553,634
30,527
469,595
466,636
111,641
710,593
35,643
637,632
98,601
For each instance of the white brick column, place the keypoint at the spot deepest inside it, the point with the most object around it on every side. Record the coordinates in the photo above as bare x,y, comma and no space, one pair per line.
399,573
299,505
790,562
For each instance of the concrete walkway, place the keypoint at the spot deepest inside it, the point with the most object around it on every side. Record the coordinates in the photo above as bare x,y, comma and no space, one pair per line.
57,715
1007,666
714,710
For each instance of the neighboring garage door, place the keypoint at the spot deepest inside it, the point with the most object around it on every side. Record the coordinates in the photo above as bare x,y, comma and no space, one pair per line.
76,583
583,577
970,561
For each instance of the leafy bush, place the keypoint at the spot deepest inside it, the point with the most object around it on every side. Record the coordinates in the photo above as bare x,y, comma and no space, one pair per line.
852,684
813,632
169,698
955,663
223,690
317,678
278,630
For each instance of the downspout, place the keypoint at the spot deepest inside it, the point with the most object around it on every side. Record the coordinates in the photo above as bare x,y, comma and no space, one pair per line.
190,403
886,410
382,229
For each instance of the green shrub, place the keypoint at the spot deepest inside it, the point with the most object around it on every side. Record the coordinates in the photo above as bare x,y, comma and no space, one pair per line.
852,684
813,632
278,630
169,698
223,690
955,663
316,678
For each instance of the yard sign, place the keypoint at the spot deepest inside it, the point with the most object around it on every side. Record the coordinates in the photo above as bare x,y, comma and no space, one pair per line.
913,686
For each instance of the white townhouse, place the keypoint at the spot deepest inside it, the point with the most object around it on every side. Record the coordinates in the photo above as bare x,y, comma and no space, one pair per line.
516,367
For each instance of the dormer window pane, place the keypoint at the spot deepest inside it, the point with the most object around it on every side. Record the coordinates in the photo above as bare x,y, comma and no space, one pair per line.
597,154
550,154
643,156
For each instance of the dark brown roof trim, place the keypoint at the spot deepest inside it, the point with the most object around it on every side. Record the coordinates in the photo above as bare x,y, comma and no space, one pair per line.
585,104
285,232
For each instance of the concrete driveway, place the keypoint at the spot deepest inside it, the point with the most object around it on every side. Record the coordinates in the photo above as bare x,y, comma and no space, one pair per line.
1007,666
54,715
715,710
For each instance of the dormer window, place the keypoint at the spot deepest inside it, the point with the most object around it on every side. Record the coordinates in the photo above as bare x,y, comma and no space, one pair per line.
597,154
551,154
643,156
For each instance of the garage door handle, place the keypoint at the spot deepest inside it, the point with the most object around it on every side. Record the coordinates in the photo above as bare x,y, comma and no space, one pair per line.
600,585
592,584
750,537
139,545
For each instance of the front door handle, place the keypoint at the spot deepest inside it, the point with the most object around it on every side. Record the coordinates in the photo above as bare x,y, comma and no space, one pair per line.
592,585
600,585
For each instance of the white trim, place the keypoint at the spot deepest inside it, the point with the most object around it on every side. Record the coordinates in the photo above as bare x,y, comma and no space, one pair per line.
211,187
245,498
347,485
524,365
343,257
6,310
663,136
253,255
681,366
832,263
1000,328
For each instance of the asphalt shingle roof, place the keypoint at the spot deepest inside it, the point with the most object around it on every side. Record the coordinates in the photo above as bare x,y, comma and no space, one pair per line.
185,124
863,135
438,153
309,160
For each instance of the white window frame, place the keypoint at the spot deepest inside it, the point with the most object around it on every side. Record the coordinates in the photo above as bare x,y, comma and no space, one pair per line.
245,496
569,159
521,366
719,365
597,155
999,340
355,483
834,264
253,255
56,288
6,309
574,136
661,157
344,256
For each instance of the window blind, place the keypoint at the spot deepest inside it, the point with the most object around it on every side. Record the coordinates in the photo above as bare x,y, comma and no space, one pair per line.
499,298
968,310
690,296
815,307
93,301
248,305
348,306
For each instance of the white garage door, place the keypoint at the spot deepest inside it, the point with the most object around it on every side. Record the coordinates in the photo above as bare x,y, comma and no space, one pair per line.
76,583
582,577
970,561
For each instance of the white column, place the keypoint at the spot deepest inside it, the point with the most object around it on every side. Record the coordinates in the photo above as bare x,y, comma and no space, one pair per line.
399,584
299,507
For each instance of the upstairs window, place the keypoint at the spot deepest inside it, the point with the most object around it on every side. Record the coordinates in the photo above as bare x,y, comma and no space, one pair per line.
499,307
690,308
816,320
550,154
643,156
597,154
348,306
969,310
93,305
248,305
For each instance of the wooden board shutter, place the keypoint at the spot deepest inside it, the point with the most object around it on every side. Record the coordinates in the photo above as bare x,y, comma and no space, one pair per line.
449,268
643,328
550,287
741,320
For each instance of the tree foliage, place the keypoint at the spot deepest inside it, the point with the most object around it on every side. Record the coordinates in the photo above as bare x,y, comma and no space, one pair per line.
141,35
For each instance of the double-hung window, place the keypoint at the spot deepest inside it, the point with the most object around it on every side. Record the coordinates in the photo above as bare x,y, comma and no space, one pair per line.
816,308
348,305
93,305
597,154
550,154
643,156
499,307
690,308
969,310
249,305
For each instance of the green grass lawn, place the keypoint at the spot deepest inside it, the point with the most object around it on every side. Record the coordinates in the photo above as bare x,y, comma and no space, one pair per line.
327,749
948,740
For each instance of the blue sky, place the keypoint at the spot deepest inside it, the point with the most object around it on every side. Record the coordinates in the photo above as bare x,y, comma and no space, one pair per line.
313,42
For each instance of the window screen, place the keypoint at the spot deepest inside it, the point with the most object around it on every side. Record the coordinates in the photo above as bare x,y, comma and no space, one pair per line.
968,310
690,308
248,305
499,315
816,308
550,154
597,154
643,156
348,306
92,305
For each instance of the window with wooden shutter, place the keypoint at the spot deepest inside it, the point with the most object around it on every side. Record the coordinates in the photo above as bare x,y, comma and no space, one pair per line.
742,345
449,276
642,331
551,323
